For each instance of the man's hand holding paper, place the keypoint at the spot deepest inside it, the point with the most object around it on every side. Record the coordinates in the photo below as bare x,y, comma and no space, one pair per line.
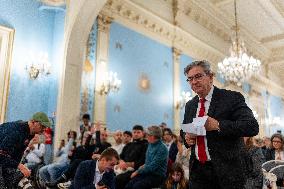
200,125
197,127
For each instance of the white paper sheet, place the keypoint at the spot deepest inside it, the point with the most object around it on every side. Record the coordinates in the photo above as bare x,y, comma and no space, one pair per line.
196,127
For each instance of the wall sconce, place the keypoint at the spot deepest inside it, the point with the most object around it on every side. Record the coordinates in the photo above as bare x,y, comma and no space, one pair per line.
38,65
183,99
110,83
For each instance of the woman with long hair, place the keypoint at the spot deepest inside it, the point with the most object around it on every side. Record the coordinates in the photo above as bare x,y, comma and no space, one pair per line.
276,152
176,178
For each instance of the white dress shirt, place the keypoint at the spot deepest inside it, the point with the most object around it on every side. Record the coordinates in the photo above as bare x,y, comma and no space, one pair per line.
98,174
207,105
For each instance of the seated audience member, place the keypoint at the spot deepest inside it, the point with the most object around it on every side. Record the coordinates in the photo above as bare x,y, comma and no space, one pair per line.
97,174
103,144
276,152
153,173
176,178
254,161
258,142
131,158
277,149
86,126
35,152
183,156
127,137
171,145
81,153
163,125
118,146
51,172
267,144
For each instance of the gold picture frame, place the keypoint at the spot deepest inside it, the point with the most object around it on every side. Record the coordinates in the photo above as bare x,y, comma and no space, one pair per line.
6,46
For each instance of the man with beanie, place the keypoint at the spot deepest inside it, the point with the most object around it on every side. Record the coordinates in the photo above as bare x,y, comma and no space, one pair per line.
14,138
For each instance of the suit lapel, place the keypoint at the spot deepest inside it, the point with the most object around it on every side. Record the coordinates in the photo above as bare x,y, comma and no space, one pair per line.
214,102
193,109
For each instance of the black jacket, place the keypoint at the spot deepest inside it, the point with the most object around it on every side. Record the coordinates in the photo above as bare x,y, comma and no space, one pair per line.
85,175
135,152
226,147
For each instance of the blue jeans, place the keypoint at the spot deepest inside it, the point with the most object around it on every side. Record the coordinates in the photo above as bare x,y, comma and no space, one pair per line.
51,172
48,154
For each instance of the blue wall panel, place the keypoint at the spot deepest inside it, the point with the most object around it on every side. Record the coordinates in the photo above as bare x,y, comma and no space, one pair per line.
130,55
34,32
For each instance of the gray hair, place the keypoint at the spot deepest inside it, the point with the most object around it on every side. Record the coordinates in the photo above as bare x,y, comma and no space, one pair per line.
155,131
202,63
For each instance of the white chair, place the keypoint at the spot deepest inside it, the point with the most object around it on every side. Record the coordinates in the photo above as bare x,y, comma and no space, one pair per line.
268,176
271,164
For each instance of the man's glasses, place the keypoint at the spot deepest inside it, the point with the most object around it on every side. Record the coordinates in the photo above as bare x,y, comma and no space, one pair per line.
197,77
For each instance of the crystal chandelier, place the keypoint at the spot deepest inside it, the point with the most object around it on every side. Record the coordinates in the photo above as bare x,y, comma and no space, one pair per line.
239,67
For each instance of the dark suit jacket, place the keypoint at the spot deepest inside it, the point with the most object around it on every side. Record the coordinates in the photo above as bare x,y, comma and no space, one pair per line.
85,175
173,152
226,147
270,154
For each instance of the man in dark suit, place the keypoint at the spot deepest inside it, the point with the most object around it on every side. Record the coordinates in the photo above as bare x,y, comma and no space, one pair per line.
97,174
217,159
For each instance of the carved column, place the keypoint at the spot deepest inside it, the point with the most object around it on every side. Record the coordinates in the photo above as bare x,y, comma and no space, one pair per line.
104,23
176,87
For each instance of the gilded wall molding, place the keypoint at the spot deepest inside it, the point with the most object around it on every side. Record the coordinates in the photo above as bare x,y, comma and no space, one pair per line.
104,22
176,54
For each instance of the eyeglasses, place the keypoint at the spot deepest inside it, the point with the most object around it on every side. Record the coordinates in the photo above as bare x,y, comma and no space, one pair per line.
197,77
275,141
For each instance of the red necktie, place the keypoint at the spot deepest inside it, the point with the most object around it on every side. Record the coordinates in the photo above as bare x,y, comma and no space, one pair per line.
200,139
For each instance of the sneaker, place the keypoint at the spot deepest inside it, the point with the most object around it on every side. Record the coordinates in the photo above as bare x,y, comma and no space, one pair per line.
64,185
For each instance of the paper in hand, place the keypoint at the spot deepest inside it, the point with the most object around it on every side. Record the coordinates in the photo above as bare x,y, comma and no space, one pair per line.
189,128
196,127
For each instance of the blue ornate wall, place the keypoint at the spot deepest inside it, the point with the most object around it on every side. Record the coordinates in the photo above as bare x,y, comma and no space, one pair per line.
35,31
135,57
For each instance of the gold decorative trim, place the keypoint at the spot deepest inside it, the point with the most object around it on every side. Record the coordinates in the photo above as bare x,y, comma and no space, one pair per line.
8,36
104,22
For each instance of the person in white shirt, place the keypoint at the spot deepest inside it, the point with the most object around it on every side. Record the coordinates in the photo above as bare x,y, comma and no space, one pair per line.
35,152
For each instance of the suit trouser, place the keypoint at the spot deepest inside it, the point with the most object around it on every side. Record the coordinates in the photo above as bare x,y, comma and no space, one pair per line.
203,176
